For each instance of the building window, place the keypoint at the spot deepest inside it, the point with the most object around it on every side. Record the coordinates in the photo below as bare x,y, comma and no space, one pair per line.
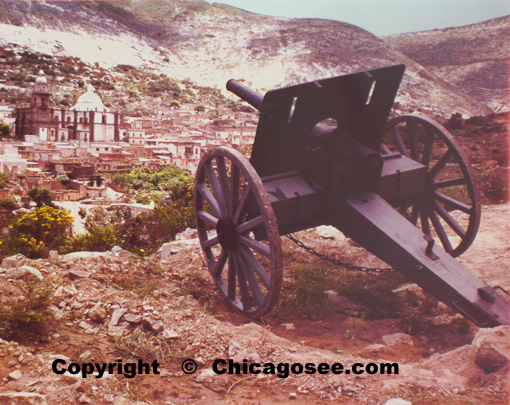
104,119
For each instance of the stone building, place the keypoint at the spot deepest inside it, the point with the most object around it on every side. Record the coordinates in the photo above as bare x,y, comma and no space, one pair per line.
88,120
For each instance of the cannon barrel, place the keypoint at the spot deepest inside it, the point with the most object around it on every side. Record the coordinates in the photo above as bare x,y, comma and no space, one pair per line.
245,93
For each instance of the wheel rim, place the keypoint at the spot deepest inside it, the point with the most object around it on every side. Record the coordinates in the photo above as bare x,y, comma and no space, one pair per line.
231,207
450,184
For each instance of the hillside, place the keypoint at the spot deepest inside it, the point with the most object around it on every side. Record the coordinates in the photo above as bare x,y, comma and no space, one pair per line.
211,43
104,306
473,57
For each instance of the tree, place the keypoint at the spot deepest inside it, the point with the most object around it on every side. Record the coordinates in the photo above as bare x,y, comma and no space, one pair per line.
41,196
5,129
9,203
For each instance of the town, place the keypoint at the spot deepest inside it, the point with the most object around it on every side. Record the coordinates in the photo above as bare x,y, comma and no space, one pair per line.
88,141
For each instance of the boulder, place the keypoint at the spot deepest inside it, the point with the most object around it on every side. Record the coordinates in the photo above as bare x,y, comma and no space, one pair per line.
329,232
376,351
14,261
492,348
53,257
171,248
97,313
187,234
117,314
10,397
345,305
396,339
17,272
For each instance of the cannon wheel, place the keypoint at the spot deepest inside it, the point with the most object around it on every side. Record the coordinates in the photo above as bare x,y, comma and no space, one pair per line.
231,206
450,184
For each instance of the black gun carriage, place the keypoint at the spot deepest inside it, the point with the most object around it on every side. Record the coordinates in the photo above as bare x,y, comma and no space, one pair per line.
325,153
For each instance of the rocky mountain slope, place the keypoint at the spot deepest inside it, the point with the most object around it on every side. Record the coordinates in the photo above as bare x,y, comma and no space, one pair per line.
210,43
473,57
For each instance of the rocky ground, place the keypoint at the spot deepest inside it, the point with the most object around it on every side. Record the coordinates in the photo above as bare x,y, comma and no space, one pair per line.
100,307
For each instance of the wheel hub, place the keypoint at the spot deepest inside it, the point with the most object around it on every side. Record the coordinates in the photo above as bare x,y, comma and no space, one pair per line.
227,234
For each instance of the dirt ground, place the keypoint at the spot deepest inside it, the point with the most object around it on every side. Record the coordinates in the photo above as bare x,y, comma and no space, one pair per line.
180,317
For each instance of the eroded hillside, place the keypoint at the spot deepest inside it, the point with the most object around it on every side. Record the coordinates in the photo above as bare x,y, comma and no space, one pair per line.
473,57
211,43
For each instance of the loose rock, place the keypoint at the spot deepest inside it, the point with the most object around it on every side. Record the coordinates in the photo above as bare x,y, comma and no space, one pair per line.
117,314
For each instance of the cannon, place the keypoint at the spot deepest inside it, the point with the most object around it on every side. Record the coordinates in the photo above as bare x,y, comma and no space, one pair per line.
325,153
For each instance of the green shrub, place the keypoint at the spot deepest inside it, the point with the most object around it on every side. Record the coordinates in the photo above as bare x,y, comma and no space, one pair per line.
37,232
492,182
5,129
9,203
26,312
64,179
4,179
41,196
97,239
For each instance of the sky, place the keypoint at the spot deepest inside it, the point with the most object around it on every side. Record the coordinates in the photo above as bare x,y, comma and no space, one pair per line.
383,17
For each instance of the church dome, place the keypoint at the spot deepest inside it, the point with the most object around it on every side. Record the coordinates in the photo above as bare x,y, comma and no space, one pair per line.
89,101
41,78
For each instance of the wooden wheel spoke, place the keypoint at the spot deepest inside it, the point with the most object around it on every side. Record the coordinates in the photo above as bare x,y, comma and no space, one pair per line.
241,206
257,246
449,183
218,267
441,232
222,172
218,194
247,272
211,242
234,189
427,148
452,223
250,225
208,218
206,193
400,143
252,281
243,286
448,173
424,221
413,142
231,289
257,266
440,164
415,212
453,203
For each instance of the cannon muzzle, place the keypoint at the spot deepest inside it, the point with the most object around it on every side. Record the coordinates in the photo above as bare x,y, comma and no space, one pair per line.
245,93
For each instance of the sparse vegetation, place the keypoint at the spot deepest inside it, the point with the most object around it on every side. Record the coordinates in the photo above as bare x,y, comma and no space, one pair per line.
8,203
303,291
139,345
35,233
41,196
4,179
26,312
